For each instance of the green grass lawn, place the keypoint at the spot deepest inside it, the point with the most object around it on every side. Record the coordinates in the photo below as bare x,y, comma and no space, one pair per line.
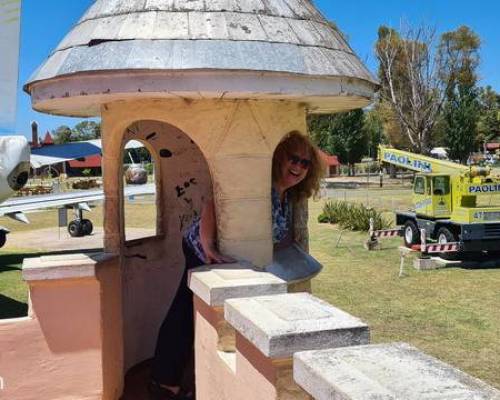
452,314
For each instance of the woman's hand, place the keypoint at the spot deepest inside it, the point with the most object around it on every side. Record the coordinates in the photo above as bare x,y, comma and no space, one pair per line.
213,256
208,236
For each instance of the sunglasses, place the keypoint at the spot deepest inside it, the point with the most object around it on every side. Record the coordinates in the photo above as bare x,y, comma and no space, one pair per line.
304,162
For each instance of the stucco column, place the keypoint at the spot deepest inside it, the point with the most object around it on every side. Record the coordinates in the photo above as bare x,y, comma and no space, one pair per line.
112,182
241,164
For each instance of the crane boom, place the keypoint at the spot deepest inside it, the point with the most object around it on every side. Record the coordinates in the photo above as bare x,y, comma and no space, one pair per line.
418,162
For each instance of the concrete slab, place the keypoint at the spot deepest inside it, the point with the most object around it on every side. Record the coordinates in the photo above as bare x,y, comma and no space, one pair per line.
395,371
67,266
425,264
283,324
222,282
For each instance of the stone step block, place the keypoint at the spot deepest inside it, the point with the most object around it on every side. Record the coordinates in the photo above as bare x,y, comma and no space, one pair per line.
280,325
394,371
218,283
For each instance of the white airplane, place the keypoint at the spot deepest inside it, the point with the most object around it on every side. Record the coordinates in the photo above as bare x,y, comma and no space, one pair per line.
15,151
14,172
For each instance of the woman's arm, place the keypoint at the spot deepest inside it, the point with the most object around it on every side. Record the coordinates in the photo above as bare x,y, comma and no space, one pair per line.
208,235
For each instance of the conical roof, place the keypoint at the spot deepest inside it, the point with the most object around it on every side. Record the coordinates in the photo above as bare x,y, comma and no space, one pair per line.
172,38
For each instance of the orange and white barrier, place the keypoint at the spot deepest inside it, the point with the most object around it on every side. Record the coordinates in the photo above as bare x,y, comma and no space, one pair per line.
387,233
437,247
383,233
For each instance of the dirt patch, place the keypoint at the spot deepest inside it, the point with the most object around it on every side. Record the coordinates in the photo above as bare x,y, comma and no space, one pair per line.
57,239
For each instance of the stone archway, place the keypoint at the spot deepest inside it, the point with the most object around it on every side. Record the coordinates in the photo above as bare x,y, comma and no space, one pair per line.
152,267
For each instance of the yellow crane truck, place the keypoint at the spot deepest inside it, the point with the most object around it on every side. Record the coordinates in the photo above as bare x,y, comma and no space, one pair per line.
452,202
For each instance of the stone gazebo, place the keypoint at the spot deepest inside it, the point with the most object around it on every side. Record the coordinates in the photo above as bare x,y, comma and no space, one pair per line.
210,88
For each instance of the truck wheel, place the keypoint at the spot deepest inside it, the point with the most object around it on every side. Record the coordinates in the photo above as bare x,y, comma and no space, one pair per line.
87,227
444,236
3,238
411,234
75,228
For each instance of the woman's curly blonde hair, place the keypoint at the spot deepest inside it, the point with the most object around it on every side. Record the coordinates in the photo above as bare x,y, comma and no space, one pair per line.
290,144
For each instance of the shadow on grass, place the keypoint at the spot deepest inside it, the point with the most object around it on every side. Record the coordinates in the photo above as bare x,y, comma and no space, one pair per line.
10,308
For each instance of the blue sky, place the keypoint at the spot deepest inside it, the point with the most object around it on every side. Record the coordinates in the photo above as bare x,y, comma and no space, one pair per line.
45,23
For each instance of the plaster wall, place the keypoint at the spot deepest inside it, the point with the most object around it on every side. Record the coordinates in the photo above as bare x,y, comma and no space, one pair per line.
243,373
56,352
227,143
237,139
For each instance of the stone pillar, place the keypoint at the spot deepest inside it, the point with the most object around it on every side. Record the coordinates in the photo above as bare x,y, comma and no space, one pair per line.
70,344
246,353
270,329
240,158
112,182
241,173
215,338
384,371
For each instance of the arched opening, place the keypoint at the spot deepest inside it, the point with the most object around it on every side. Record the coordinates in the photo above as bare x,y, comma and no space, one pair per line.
139,191
152,267
296,170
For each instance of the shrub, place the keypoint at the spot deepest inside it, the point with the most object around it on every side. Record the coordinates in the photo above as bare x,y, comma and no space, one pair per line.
352,216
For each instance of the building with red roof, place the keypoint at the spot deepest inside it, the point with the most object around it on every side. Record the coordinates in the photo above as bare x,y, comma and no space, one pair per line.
332,164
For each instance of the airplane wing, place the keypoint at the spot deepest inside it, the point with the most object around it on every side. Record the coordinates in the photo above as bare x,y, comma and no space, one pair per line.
58,153
15,208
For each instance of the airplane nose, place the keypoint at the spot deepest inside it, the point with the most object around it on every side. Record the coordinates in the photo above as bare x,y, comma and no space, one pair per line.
19,176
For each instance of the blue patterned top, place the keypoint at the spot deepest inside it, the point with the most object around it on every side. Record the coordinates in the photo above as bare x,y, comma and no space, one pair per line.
281,214
281,217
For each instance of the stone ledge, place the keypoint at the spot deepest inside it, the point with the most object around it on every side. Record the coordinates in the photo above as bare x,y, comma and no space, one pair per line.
67,266
221,282
386,371
283,324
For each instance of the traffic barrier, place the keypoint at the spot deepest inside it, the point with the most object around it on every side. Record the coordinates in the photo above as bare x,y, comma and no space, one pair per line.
437,247
387,233
383,233
443,248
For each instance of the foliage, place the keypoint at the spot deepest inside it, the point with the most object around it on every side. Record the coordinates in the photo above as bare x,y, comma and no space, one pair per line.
461,112
87,130
84,130
341,134
410,75
488,126
461,117
374,128
352,216
62,134
137,156
149,167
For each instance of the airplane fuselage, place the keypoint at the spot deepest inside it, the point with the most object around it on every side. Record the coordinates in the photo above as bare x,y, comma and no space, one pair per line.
14,165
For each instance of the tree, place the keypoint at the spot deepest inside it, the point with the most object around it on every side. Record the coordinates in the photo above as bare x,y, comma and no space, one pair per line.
489,115
460,49
62,134
87,130
319,129
410,75
374,128
341,134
